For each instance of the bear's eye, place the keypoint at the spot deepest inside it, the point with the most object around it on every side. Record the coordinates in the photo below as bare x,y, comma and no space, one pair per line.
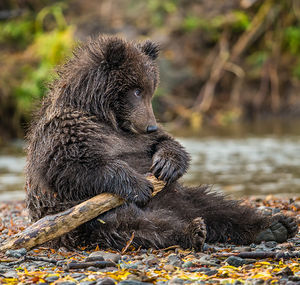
137,92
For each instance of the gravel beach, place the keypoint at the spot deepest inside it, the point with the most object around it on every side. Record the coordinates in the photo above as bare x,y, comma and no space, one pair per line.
217,264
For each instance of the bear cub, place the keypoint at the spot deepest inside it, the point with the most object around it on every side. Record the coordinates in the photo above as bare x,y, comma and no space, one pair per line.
96,132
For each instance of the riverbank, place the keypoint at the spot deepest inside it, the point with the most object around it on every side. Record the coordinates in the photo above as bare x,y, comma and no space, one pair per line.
169,266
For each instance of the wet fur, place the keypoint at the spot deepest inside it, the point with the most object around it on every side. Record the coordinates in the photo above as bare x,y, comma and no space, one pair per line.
88,139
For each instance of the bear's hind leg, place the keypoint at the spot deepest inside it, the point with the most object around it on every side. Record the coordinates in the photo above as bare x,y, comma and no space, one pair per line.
230,221
226,220
156,229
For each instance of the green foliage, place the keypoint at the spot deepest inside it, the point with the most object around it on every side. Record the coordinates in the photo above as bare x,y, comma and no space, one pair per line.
53,47
255,62
192,23
237,20
159,9
291,43
31,87
47,49
241,21
257,58
292,39
296,71
17,32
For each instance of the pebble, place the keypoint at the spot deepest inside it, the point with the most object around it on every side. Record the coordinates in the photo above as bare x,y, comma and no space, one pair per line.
169,267
267,211
93,268
294,278
275,211
174,260
271,244
152,261
106,281
138,257
297,205
242,249
3,268
133,282
87,283
201,269
106,255
94,258
11,274
235,261
211,272
65,283
78,276
61,263
291,283
16,253
255,281
125,257
96,253
207,260
187,264
51,279
129,265
175,281
258,281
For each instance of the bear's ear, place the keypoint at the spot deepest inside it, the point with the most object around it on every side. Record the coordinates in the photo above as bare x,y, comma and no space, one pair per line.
115,52
151,49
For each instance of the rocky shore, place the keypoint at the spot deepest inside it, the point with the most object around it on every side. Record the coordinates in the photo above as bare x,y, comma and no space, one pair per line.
266,263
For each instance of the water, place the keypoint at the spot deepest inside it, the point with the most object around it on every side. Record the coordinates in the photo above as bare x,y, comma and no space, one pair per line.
12,162
239,166
246,166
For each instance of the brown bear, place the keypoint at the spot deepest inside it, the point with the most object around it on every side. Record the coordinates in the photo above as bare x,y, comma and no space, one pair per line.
96,132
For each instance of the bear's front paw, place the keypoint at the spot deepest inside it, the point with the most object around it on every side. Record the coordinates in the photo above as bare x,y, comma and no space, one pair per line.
166,167
140,193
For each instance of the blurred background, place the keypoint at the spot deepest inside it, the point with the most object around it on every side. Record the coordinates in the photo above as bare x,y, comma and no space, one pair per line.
229,91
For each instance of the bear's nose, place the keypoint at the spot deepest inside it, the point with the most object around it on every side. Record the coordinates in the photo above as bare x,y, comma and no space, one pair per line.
151,129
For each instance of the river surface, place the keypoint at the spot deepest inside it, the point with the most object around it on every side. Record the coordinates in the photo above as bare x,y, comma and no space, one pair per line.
242,166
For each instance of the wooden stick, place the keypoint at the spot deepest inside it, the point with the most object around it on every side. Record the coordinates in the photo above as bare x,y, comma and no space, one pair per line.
53,226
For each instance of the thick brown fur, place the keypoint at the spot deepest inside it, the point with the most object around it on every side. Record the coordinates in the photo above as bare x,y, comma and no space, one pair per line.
96,132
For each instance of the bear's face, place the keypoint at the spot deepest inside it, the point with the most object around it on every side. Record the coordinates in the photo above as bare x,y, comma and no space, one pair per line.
134,72
135,113
114,80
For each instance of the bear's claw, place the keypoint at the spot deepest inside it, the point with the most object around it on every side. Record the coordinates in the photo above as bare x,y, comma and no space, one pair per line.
166,169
